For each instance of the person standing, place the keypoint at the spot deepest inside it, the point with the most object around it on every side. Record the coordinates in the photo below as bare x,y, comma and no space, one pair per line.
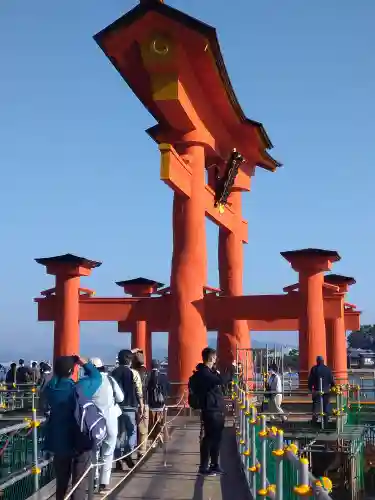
45,377
2,373
24,373
45,374
142,423
35,373
60,428
106,399
130,383
11,376
320,383
275,392
206,383
157,393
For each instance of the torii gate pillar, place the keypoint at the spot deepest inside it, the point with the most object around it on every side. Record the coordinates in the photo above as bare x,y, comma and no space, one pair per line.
310,264
230,252
67,270
141,335
188,333
337,352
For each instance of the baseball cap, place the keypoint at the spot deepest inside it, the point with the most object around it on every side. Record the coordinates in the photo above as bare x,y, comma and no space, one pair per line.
97,362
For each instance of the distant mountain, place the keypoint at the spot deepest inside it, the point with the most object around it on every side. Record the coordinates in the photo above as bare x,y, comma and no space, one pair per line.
261,345
106,351
271,345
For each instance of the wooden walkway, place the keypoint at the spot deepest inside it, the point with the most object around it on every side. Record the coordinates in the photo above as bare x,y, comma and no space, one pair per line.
178,479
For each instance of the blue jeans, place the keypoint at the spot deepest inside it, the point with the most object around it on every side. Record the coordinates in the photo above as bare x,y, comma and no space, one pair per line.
127,433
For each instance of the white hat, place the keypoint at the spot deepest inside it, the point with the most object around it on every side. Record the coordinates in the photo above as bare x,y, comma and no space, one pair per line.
97,362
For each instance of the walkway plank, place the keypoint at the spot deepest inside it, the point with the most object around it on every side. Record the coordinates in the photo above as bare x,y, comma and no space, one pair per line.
179,479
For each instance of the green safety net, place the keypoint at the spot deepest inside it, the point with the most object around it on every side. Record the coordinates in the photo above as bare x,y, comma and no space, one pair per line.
15,451
290,473
361,414
16,461
24,488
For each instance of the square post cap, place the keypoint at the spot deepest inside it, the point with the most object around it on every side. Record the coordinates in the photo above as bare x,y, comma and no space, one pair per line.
139,286
343,282
68,264
311,259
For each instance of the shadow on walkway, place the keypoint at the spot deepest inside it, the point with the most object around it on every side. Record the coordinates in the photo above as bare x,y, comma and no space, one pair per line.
178,480
234,479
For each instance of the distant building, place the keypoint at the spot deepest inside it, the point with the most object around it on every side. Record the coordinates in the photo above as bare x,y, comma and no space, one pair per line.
361,358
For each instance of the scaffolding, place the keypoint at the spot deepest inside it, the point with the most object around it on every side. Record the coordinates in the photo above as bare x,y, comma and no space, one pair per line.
336,446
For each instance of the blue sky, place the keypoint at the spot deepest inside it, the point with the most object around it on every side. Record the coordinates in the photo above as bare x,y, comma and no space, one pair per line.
80,175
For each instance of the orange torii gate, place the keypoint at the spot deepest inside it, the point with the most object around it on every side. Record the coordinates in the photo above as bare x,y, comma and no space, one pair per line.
68,304
209,151
173,64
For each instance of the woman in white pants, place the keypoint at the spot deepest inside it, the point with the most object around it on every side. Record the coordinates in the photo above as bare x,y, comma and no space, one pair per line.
106,399
275,388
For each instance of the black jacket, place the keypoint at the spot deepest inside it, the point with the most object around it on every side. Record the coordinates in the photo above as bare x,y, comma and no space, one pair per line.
320,372
125,379
24,375
209,387
157,379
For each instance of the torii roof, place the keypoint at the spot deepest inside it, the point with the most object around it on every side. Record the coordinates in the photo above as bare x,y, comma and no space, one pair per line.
339,279
69,258
140,281
333,254
210,75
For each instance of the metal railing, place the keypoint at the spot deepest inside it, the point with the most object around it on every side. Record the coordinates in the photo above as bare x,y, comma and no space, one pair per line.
273,468
17,397
23,469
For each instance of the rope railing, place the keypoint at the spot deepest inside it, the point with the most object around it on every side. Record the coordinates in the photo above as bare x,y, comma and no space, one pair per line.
157,438
97,465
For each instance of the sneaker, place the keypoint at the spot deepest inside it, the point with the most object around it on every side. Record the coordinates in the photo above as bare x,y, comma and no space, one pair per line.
104,488
202,471
216,469
120,466
129,462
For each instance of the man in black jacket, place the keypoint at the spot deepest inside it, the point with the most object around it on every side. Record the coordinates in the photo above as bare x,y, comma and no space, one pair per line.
208,387
24,373
321,379
130,383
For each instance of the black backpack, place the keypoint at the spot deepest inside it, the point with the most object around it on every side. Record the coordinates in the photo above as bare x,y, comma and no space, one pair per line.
156,398
194,398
